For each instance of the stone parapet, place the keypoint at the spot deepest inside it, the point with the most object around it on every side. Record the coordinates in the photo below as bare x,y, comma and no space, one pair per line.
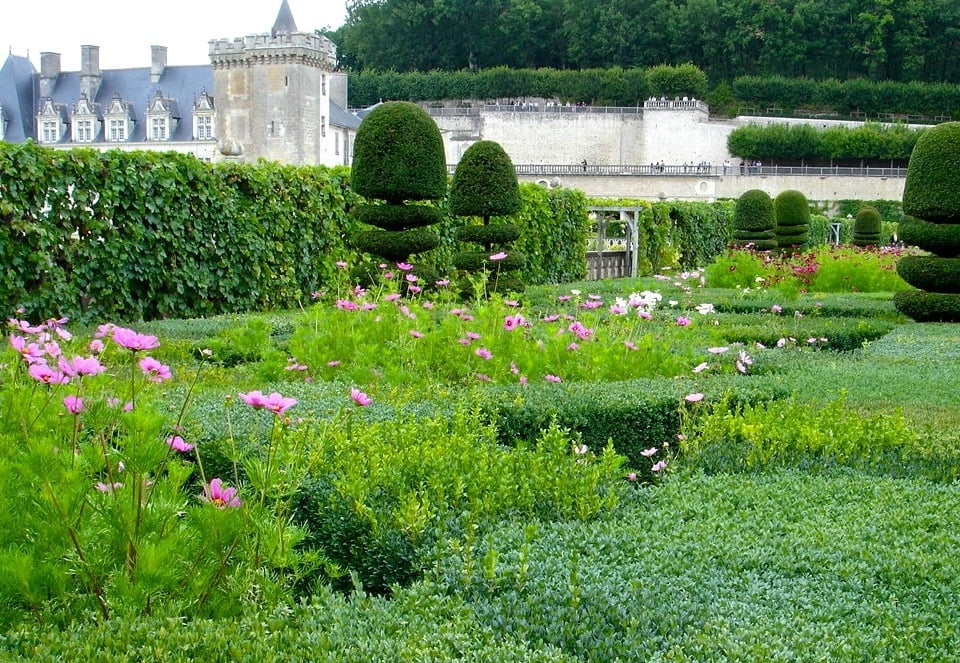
297,48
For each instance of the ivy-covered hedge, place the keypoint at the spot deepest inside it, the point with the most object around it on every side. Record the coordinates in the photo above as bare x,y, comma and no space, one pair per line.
610,87
853,96
146,235
803,141
130,235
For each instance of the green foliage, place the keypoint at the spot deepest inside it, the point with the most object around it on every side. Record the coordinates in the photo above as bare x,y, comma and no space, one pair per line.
803,141
866,227
685,80
490,235
754,213
554,234
940,238
928,306
474,261
133,235
791,208
933,176
398,217
396,245
484,183
932,273
398,155
891,211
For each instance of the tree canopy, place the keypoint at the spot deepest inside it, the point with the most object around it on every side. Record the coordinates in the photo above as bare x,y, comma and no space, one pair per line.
896,40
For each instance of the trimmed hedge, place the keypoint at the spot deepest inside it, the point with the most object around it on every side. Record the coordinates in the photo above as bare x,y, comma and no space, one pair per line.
866,227
398,217
932,189
942,238
931,273
484,183
496,233
396,245
754,213
398,155
925,306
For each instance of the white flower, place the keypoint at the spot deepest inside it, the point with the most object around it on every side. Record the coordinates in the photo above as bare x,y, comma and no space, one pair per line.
704,309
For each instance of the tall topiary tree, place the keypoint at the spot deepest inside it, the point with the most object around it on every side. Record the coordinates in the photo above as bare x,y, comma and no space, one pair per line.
754,221
931,205
792,212
485,186
866,227
398,157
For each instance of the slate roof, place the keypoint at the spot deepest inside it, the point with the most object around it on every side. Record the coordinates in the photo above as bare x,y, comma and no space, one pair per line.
17,80
284,23
341,118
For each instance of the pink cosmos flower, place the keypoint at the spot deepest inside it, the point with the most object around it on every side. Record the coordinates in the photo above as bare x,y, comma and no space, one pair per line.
464,341
416,334
718,350
482,377
254,399
573,347
523,380
427,305
632,476
154,370
177,443
550,318
514,369
131,340
683,321
646,315
96,346
333,362
513,303
52,349
443,282
368,306
359,291
107,487
41,372
617,309
659,466
564,298
341,264
105,330
699,368
346,305
388,275
498,256
405,266
81,366
630,346
483,353
473,336
359,397
552,378
511,322
776,308
414,289
219,495
646,453
278,404
693,398
392,297
74,404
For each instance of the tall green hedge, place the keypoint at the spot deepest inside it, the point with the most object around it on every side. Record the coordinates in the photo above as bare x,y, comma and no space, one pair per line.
131,235
144,235
803,141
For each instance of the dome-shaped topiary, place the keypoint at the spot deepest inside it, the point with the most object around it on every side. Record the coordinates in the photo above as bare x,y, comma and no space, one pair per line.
485,183
866,227
792,213
932,188
931,201
753,219
398,155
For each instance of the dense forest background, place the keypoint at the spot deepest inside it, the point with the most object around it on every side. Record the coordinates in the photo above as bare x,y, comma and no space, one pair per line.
895,40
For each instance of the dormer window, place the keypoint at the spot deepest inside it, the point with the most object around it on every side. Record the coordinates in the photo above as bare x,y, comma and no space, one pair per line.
203,117
51,121
162,116
118,119
86,123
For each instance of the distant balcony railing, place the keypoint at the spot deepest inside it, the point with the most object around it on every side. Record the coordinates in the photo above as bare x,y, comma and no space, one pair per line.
702,170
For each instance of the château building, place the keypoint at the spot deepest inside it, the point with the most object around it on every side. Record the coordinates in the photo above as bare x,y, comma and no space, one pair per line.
275,96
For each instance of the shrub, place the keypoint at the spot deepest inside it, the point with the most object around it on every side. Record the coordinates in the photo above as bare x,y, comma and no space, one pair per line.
866,228
932,194
792,213
942,238
398,156
754,213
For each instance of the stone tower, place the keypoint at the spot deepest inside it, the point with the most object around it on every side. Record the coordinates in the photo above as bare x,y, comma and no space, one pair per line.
273,92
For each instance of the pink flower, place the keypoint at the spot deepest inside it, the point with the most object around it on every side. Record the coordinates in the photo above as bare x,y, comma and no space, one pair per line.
549,377
514,369
511,322
523,380
551,318
254,399
74,404
405,266
346,305
41,372
154,370
52,349
392,297
221,497
776,308
498,256
616,309
411,278
96,346
718,351
368,306
694,398
646,315
583,333
177,443
278,404
591,304
741,368
131,340
473,336
482,377
443,282
414,289
107,487
646,453
630,346
359,397
511,302
333,362
699,368
464,341
573,347
483,353
416,334
682,321
659,466
341,264
632,476
105,330
564,298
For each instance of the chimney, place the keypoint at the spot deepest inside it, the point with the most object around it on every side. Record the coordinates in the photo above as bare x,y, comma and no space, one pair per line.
158,62
90,71
49,72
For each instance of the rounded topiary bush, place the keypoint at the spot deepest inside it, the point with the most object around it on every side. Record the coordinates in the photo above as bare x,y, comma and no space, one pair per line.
485,186
866,227
932,189
940,238
398,155
931,201
754,214
485,183
792,214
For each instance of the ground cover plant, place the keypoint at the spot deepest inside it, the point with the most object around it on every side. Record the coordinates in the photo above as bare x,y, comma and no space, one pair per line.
766,474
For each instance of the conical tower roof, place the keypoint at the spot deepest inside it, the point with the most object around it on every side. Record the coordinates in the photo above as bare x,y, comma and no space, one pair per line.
284,23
